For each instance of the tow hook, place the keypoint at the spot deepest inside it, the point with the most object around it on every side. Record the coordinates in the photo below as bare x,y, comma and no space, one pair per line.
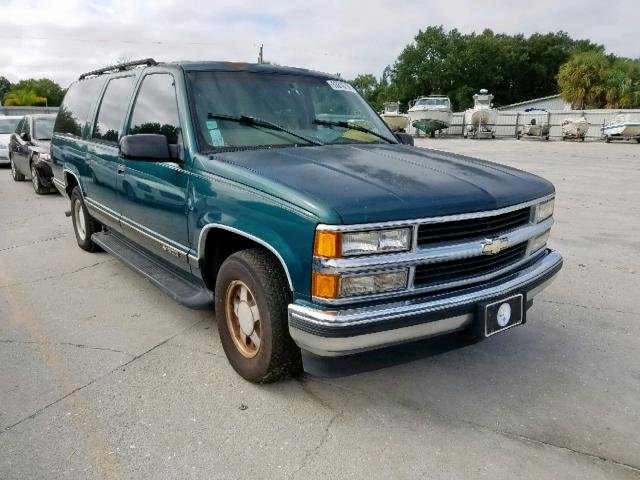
67,213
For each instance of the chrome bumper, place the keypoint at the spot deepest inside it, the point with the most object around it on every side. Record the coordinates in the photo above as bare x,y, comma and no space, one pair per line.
346,331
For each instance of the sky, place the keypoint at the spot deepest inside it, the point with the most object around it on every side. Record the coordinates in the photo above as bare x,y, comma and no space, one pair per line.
60,39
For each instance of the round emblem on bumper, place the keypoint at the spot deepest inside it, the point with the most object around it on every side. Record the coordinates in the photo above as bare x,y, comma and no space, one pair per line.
504,314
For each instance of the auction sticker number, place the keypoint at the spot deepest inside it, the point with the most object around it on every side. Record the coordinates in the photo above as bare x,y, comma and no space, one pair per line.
338,85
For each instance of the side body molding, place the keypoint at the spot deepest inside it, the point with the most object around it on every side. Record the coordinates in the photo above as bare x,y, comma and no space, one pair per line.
205,232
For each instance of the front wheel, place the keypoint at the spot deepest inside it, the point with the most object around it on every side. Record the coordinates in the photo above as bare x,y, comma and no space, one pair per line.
84,225
35,180
251,299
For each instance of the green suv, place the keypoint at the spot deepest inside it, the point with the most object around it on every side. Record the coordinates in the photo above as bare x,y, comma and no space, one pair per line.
278,197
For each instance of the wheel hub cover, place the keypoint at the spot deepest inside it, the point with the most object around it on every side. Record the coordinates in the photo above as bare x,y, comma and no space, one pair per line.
245,317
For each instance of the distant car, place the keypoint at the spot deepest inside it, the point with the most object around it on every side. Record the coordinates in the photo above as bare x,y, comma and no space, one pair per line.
29,151
7,127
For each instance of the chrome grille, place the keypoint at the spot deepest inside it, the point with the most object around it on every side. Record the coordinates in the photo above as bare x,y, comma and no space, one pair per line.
471,229
467,268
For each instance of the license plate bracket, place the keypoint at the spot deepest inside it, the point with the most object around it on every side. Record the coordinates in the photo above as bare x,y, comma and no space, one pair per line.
500,315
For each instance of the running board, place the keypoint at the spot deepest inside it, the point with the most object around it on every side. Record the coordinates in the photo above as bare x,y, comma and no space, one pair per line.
181,290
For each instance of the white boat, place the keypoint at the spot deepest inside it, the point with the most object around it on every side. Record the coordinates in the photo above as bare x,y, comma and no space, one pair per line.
575,128
622,126
480,121
397,121
430,114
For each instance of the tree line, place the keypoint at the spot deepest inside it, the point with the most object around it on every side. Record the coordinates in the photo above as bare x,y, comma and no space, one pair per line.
513,68
32,91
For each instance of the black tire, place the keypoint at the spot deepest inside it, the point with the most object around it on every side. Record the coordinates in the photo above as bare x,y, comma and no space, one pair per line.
91,225
607,139
15,174
277,356
36,182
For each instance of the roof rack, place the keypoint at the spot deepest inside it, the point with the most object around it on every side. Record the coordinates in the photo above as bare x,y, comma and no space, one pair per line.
118,68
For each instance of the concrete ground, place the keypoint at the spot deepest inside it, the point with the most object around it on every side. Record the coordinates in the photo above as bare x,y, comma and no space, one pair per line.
103,376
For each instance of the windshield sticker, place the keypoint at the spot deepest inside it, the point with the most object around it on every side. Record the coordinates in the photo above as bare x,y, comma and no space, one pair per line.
215,134
338,85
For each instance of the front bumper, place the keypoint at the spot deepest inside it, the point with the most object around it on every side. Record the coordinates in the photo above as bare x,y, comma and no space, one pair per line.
4,156
331,333
44,172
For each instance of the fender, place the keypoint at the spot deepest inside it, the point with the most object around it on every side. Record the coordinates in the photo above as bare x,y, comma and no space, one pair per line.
205,231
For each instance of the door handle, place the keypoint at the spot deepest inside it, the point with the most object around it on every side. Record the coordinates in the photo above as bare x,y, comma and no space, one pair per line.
120,169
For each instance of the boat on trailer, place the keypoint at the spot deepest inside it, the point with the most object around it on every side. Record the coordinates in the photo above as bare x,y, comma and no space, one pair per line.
397,121
623,126
575,129
480,121
430,114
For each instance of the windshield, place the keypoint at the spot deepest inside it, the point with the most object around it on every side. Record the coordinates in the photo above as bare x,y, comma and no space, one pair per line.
433,102
302,104
8,125
43,127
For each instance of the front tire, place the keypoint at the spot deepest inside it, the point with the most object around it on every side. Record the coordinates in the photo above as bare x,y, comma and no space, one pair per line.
251,299
35,180
83,224
15,174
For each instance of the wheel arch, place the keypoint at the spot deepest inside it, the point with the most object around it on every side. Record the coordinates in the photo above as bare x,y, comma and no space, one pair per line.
71,180
218,247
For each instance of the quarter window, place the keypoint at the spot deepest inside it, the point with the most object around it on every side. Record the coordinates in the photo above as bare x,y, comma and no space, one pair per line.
76,106
112,109
156,108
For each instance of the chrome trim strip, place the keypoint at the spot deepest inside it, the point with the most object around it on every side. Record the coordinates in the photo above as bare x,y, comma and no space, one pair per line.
372,314
115,216
425,255
153,235
420,221
203,236
335,347
411,290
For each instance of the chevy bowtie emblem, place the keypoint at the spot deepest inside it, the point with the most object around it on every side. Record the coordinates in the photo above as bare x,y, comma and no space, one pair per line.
491,246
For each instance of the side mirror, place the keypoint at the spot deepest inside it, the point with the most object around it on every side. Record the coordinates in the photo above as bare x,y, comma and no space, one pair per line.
25,137
404,138
145,146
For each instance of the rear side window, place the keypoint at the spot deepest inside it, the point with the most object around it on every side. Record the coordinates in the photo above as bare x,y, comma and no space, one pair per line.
112,110
156,108
76,107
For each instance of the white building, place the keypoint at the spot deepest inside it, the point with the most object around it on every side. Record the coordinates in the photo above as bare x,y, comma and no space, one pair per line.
552,102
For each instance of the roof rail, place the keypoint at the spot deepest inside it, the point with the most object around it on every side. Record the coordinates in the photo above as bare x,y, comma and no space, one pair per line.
118,68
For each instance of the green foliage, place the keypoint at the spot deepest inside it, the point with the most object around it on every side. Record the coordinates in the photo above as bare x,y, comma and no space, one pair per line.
591,79
43,87
5,86
512,67
22,97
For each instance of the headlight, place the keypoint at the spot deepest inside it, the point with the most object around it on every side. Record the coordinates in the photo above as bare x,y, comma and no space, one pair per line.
3,146
330,244
544,210
334,286
539,242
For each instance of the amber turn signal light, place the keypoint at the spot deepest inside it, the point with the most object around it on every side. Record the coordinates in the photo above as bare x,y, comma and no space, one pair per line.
325,286
327,244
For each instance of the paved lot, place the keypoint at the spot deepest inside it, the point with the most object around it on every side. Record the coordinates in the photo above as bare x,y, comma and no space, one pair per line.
102,376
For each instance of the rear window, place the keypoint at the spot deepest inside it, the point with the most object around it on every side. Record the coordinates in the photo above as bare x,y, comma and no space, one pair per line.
76,106
112,109
8,125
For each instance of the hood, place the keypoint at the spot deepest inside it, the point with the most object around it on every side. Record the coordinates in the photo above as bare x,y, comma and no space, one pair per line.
374,183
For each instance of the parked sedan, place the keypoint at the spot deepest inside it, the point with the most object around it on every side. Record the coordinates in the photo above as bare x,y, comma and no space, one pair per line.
29,151
7,127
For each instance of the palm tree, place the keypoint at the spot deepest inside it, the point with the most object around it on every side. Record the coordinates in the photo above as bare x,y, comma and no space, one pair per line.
23,98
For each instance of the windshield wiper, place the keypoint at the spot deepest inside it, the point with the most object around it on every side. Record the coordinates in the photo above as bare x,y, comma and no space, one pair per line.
351,126
259,122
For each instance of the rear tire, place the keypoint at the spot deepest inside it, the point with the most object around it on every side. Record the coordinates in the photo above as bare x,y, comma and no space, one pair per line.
251,299
35,180
15,174
84,225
